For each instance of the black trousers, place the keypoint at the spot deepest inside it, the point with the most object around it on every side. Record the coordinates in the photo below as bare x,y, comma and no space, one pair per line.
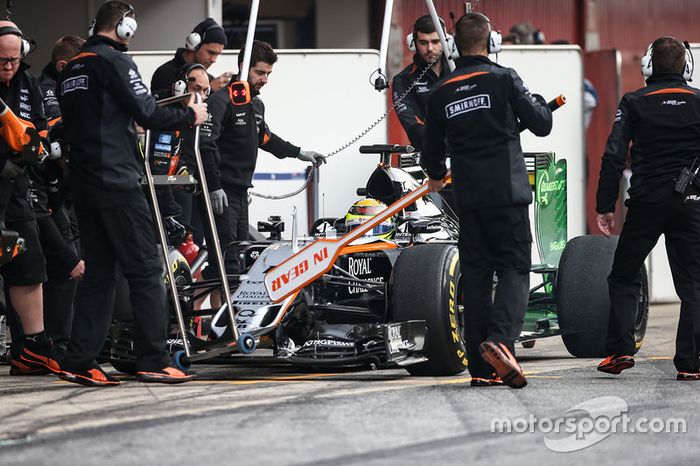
117,228
59,294
494,240
59,289
680,223
231,225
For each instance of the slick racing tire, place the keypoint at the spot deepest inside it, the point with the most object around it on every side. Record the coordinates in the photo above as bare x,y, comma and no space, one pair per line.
426,286
583,301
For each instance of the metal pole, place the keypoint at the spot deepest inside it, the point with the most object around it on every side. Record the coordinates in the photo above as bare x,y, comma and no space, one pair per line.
164,243
252,21
214,231
441,33
386,29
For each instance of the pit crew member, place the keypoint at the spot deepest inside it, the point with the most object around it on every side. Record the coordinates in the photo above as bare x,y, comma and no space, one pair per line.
101,94
662,120
477,110
229,144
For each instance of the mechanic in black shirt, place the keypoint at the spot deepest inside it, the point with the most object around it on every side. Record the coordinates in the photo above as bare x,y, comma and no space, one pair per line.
23,275
63,50
229,144
478,110
203,45
101,94
662,120
424,41
171,153
64,267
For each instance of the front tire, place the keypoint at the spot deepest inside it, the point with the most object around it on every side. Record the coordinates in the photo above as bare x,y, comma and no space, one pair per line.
426,286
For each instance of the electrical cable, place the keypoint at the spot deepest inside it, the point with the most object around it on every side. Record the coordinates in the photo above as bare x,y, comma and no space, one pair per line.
352,141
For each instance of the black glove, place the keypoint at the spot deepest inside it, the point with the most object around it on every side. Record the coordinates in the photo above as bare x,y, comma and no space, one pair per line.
175,230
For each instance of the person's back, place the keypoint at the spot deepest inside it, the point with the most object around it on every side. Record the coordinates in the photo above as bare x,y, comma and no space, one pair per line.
477,112
480,105
103,85
108,148
663,120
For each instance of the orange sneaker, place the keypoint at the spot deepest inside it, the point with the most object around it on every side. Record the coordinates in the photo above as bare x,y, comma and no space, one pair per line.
165,375
19,368
35,359
491,381
690,375
616,364
93,377
503,361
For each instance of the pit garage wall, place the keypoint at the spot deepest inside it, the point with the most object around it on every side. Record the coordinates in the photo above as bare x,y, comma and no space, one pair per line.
566,139
313,112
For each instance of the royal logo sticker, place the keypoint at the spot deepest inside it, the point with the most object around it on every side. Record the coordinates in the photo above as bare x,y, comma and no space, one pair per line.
467,105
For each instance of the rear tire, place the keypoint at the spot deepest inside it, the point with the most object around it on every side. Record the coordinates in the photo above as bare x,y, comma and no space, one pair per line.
426,287
583,301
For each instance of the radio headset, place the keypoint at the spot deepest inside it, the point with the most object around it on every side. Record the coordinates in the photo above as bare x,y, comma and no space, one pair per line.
180,85
646,63
196,37
27,46
495,39
125,28
412,36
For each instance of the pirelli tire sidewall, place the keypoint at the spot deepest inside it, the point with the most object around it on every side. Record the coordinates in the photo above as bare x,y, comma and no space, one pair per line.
425,286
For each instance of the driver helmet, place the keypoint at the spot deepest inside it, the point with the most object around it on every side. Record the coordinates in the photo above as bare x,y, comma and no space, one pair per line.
363,210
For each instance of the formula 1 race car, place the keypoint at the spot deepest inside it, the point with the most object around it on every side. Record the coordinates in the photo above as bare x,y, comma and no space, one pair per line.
392,297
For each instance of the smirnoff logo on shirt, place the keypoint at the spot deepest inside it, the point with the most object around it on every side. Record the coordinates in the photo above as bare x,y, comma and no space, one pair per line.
467,105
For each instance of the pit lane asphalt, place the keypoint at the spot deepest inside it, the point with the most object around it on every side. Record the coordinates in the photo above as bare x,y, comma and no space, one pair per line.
276,415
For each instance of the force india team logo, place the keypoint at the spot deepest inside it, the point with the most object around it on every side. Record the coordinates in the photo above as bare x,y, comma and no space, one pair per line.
467,105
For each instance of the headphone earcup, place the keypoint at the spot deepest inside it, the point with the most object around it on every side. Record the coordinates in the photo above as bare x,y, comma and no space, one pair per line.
25,48
410,42
646,64
452,50
689,64
179,87
193,41
495,42
126,27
